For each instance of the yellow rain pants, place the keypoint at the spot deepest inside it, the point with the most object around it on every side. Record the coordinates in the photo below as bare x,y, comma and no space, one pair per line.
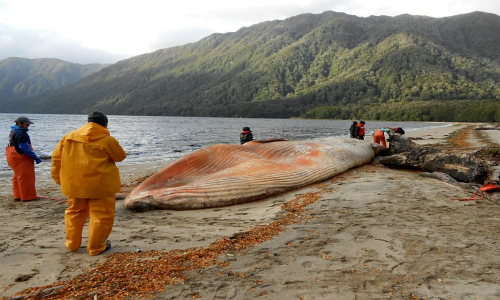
23,180
102,215
379,137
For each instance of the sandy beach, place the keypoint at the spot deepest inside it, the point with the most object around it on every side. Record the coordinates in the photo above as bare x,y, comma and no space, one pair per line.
370,233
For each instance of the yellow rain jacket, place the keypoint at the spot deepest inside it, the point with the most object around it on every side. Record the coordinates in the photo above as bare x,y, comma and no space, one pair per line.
88,157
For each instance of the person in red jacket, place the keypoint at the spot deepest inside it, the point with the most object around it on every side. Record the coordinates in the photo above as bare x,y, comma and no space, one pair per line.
361,132
399,130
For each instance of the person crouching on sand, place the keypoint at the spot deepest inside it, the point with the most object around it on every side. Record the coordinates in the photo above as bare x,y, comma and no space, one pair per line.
83,163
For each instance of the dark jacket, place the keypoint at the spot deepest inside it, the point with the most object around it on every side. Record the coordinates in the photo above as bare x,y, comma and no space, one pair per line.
20,139
245,137
18,136
353,130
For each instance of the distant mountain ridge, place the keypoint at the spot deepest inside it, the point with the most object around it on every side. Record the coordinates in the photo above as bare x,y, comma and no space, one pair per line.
22,77
328,65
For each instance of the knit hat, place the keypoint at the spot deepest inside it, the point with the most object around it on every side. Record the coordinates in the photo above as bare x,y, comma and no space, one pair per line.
98,117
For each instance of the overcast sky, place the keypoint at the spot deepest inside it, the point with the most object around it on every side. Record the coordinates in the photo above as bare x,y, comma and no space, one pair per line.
105,31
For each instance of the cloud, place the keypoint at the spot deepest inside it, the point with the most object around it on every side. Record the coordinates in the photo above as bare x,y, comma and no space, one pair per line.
171,38
431,8
106,31
46,44
202,21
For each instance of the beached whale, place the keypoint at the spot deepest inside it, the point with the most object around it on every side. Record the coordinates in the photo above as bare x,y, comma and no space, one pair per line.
222,174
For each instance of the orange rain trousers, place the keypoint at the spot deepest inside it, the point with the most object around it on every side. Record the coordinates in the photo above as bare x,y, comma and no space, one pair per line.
23,180
378,137
102,216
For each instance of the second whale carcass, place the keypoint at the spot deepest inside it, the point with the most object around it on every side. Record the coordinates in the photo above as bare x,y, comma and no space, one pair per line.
223,174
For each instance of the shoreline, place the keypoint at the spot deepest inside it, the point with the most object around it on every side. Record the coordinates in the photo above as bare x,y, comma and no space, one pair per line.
132,172
360,224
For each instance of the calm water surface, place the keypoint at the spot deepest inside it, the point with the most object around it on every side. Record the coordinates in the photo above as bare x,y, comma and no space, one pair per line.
161,139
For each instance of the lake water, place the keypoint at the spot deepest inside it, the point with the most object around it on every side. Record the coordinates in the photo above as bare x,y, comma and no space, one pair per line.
148,139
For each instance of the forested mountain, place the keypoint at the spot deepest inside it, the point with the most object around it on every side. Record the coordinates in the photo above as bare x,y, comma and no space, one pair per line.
329,65
21,77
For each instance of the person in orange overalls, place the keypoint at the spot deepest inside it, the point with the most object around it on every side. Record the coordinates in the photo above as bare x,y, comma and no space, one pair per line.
379,137
379,134
21,159
83,163
361,131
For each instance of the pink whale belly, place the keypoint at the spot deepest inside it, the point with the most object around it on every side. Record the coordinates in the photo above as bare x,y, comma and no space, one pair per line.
222,175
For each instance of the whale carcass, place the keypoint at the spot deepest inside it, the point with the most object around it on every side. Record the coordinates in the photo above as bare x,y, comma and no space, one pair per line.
222,174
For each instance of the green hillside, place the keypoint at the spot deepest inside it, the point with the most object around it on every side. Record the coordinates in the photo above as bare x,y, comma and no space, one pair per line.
21,77
329,65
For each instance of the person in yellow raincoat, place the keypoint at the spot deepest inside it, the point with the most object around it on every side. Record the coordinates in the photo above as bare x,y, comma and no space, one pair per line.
83,163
